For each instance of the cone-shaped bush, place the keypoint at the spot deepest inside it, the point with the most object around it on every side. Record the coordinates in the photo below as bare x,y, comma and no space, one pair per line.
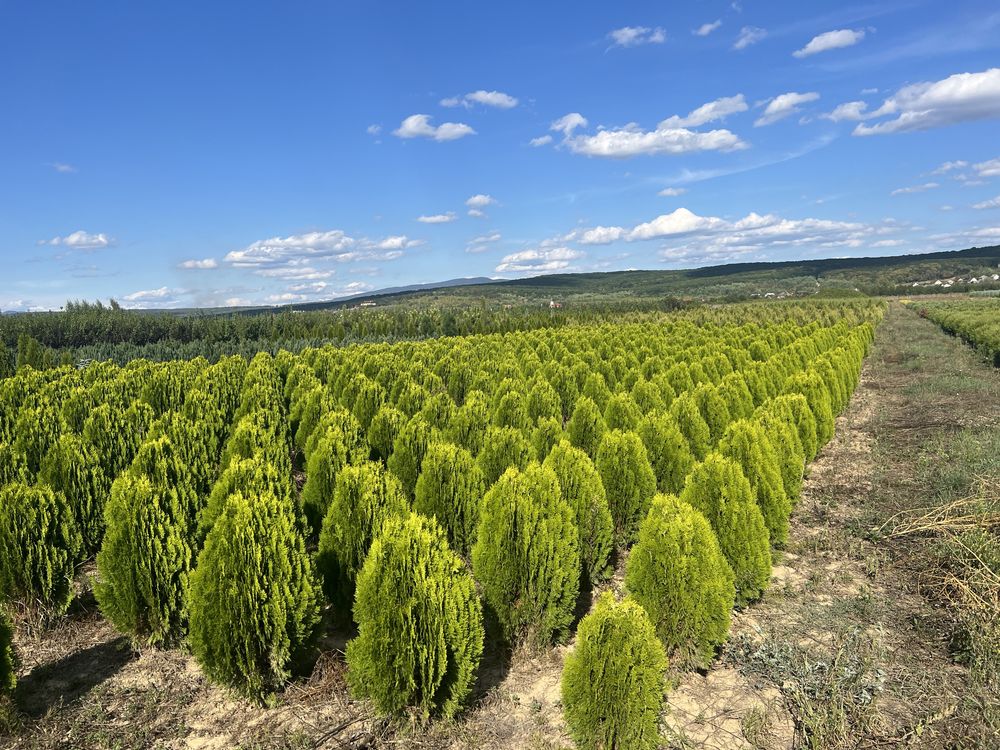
144,562
543,401
511,411
581,487
384,430
596,389
668,451
469,422
621,412
781,430
613,679
503,447
795,404
713,410
450,489
117,435
408,453
685,413
811,385
628,480
8,659
747,444
36,430
248,476
255,598
12,466
329,456
39,546
718,489
423,649
546,435
72,468
364,497
586,427
649,397
678,574
526,556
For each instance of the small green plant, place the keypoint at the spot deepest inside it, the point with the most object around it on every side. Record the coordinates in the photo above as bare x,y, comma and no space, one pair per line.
628,481
450,488
748,445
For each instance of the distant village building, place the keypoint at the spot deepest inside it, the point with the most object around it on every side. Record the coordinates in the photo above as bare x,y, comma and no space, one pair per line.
553,304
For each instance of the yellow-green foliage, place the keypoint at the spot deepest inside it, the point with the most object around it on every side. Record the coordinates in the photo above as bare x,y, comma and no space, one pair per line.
248,476
39,546
685,413
586,427
667,449
543,401
363,498
796,407
713,410
8,659
546,435
811,385
383,431
677,572
408,453
581,487
613,679
748,445
468,424
328,457
621,413
527,556
628,481
145,561
420,623
255,598
450,488
71,467
117,435
503,447
718,489
782,431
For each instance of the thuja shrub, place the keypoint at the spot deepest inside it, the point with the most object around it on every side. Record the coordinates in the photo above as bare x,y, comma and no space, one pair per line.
449,489
782,432
621,413
255,598
468,424
526,556
677,572
685,413
503,447
547,433
811,385
748,445
248,476
613,679
795,405
713,410
71,467
383,430
511,411
628,481
420,623
408,453
329,456
543,401
144,562
667,449
581,487
364,497
39,546
718,489
8,659
586,426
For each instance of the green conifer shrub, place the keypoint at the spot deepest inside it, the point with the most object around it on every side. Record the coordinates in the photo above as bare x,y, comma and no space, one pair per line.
748,445
383,431
39,547
613,679
547,433
8,658
596,389
449,489
469,422
668,451
255,598
328,457
782,432
423,649
811,385
408,453
586,426
581,487
247,476
543,401
511,411
526,556
12,467
713,410
648,396
628,480
71,468
677,572
621,412
692,425
796,405
717,488
503,447
364,497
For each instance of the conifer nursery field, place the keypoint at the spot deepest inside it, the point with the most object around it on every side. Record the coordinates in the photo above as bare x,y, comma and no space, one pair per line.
409,514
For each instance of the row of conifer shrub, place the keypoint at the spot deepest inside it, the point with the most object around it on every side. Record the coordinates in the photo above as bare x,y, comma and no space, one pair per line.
975,321
522,463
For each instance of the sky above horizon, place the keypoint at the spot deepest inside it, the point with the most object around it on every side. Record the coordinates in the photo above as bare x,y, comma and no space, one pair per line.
204,154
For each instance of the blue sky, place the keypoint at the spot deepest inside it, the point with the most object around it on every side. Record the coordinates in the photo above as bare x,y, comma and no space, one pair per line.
183,153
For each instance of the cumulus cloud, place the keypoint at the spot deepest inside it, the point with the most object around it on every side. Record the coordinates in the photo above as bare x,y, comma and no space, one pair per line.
568,123
445,218
539,260
542,140
632,140
748,36
853,111
989,168
784,105
374,129
915,189
962,97
633,36
707,28
496,99
81,240
991,203
297,273
482,243
419,126
205,263
480,201
297,248
831,40
671,192
950,166
708,112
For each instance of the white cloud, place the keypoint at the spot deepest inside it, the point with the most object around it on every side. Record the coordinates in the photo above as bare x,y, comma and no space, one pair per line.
539,260
633,36
295,273
374,129
482,243
991,203
81,240
395,242
962,97
496,99
709,112
437,218
63,168
480,201
206,263
749,35
853,111
671,192
888,243
784,105
680,221
915,189
989,168
154,298
950,166
707,28
542,140
419,126
294,248
568,123
831,40
601,235
631,140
